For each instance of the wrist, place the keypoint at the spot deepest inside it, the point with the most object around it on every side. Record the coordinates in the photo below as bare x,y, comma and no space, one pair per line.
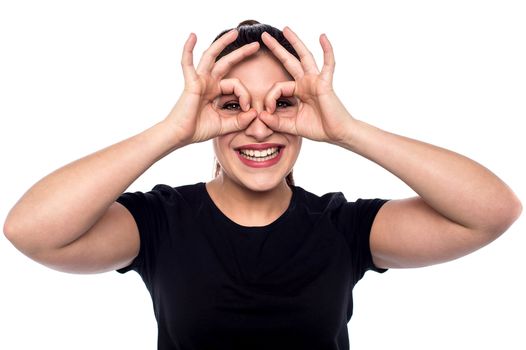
356,135
348,133
167,138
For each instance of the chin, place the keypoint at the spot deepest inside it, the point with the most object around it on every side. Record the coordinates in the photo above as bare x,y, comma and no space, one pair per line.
261,182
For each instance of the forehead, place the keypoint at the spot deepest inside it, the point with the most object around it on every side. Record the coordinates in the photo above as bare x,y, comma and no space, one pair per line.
259,72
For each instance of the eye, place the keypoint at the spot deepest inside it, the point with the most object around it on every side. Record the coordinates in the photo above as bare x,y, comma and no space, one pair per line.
232,106
283,103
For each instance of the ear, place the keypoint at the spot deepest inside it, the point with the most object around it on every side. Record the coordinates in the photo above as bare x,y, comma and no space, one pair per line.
217,167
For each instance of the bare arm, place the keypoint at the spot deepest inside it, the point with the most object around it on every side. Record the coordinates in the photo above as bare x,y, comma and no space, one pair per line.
69,220
65,204
461,206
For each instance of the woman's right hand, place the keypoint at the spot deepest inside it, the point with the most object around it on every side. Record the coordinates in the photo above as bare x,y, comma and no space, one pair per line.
195,118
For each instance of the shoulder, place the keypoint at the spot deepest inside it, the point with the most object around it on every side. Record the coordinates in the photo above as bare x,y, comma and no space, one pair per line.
338,208
182,190
162,195
329,201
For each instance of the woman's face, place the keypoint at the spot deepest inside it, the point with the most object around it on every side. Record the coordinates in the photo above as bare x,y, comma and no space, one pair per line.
258,157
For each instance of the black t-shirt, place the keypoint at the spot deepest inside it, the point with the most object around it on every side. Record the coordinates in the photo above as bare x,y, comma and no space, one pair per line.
216,284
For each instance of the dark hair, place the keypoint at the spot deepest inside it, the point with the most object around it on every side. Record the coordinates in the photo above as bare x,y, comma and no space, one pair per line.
248,32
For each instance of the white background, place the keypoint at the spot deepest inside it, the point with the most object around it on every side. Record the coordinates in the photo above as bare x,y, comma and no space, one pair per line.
77,76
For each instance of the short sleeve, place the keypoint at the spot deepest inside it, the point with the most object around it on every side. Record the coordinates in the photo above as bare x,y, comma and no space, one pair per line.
356,220
149,210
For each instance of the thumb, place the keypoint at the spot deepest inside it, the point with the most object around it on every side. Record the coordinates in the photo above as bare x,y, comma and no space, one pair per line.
238,122
279,124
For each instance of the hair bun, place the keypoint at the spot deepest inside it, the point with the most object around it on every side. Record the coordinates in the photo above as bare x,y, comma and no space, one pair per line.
248,22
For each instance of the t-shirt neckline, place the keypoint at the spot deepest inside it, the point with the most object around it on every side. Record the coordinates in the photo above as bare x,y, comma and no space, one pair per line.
248,229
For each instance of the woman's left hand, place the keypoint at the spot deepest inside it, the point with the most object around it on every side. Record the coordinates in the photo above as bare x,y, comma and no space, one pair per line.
321,116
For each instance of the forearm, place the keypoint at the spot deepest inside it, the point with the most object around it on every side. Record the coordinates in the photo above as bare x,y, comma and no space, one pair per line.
454,185
63,205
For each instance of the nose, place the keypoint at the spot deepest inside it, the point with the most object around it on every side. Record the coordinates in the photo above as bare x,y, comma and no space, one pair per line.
257,129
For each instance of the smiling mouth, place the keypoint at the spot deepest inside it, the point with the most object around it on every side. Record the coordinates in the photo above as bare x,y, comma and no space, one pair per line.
260,155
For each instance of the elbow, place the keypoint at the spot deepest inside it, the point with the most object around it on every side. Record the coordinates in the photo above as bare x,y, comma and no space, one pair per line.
18,236
12,232
506,215
517,210
514,211
13,224
9,229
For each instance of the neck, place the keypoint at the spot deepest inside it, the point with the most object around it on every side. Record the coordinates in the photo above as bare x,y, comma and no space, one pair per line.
247,207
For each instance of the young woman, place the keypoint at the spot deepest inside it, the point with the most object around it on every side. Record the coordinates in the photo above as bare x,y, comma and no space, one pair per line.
248,259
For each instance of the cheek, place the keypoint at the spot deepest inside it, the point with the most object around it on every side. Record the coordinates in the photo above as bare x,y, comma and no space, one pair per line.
216,147
297,142
295,146
222,147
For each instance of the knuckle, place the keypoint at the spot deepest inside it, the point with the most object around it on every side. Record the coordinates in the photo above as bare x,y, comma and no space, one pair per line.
276,86
208,54
228,63
214,75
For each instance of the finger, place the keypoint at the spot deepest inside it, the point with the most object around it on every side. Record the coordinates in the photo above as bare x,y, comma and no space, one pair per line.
285,88
279,124
187,61
234,86
238,122
306,57
210,54
225,63
329,63
290,62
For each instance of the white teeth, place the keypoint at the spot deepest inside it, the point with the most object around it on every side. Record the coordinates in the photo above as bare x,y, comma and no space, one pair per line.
260,155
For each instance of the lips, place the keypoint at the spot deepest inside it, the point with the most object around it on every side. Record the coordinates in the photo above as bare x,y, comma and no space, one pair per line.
260,155
258,146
